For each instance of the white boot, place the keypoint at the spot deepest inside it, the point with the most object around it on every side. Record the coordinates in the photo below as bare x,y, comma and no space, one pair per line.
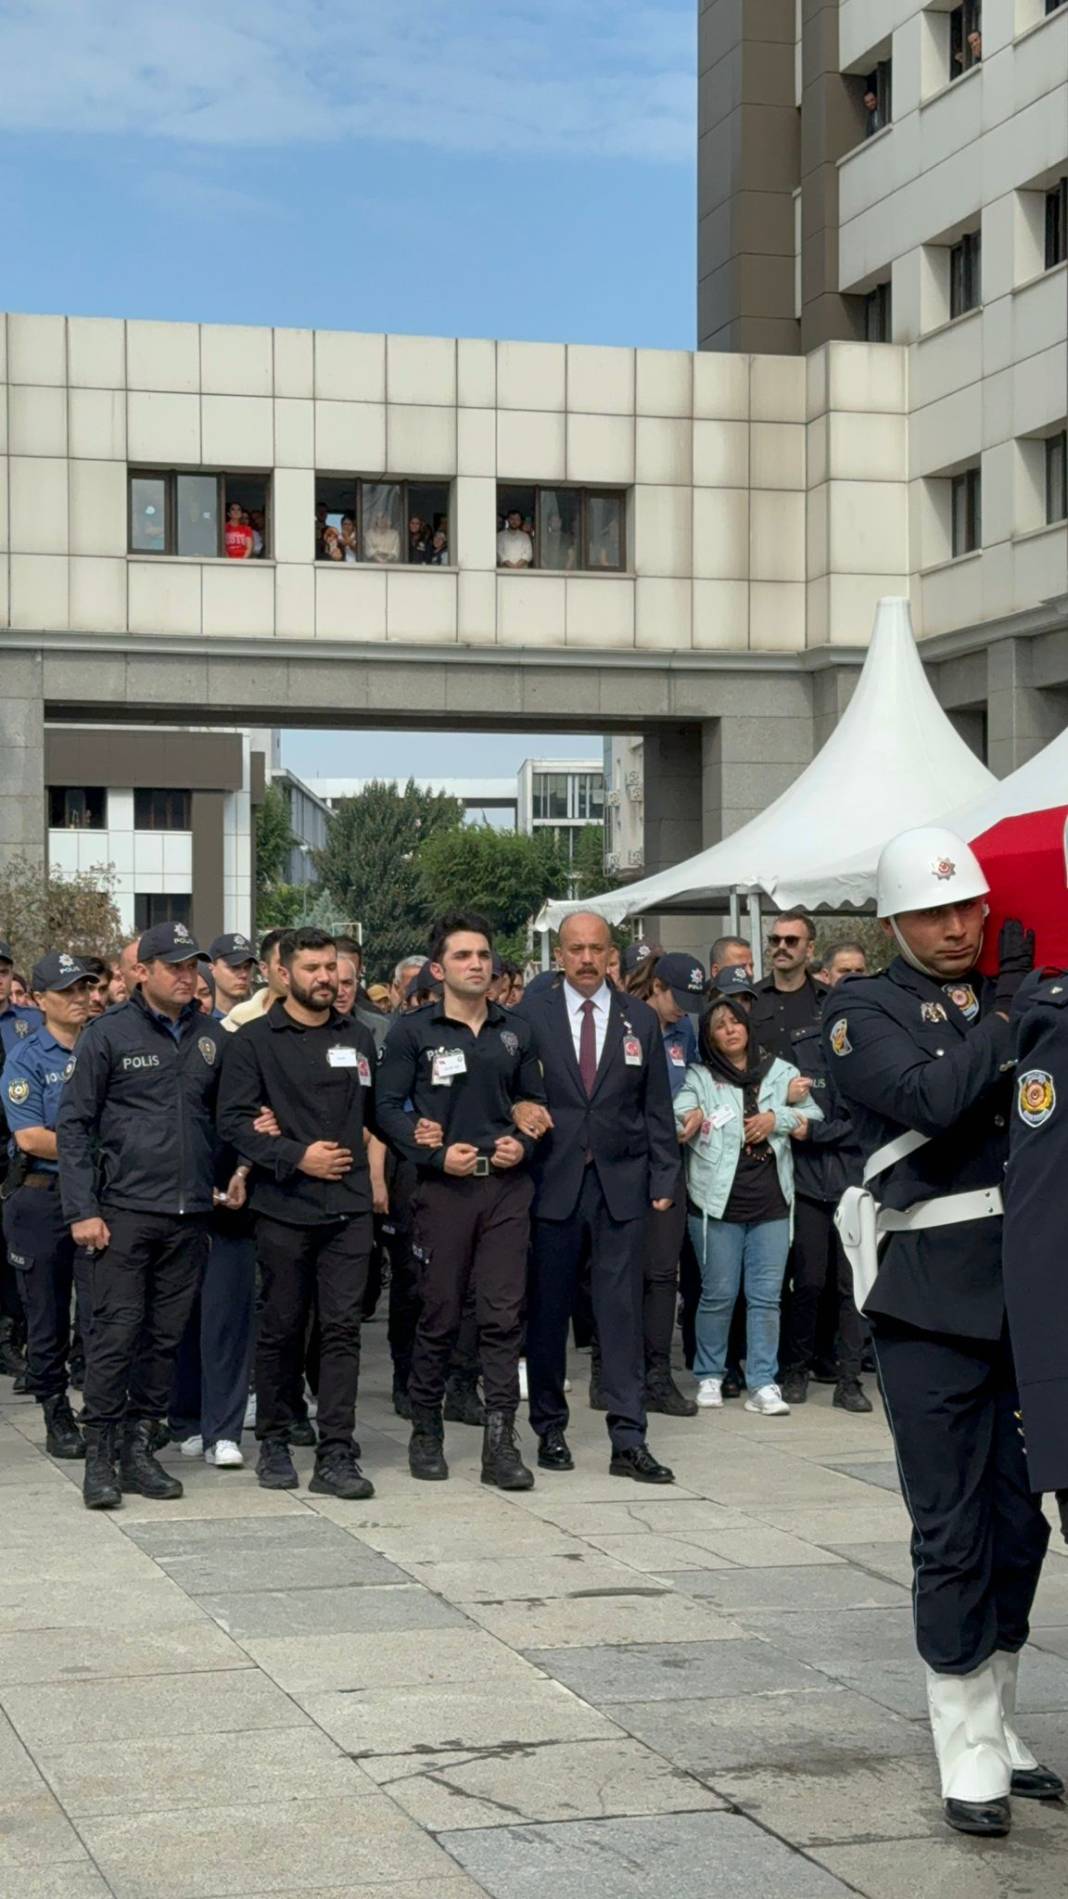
972,1750
1029,1778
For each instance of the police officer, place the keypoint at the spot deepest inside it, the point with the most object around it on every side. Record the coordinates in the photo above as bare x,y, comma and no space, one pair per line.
17,1021
233,965
826,1161
39,1243
137,1157
923,1057
450,1076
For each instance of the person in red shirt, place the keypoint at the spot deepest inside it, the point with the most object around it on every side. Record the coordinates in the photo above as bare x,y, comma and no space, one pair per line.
237,535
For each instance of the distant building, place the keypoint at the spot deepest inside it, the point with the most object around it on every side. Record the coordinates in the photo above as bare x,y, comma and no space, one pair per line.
309,821
562,795
624,805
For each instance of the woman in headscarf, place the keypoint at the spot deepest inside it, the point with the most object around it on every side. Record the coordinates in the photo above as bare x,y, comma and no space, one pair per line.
739,1109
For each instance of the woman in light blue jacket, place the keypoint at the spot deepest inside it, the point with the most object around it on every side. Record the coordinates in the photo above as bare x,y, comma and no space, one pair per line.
739,1110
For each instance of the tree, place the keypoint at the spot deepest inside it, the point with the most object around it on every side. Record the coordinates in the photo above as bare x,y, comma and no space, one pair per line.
368,865
274,840
504,875
589,876
44,910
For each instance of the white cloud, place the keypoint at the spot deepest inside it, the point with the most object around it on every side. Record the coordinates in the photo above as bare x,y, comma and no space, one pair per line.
556,77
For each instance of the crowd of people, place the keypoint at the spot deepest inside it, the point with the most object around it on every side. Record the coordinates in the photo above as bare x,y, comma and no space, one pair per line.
219,1160
384,543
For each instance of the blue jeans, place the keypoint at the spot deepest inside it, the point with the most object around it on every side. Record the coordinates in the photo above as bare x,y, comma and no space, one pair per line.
732,1257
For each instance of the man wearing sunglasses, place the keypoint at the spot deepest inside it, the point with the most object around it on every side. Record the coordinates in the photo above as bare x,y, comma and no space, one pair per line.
789,998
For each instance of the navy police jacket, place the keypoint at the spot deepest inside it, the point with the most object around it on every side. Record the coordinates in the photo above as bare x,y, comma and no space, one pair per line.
627,1124
1036,1295
908,1051
136,1120
828,1160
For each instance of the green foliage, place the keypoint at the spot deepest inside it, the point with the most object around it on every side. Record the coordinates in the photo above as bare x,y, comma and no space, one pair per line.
505,875
589,876
44,910
369,866
878,947
274,839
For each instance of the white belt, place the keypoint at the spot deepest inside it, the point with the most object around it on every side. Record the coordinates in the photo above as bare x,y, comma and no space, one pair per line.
982,1203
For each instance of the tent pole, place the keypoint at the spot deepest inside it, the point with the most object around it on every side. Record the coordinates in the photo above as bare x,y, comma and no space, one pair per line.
735,914
756,935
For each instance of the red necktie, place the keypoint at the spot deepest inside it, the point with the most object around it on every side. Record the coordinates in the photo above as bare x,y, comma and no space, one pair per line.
588,1047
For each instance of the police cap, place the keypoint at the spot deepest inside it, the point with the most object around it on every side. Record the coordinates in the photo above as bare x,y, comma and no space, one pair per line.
685,977
423,982
232,948
735,982
168,943
634,954
57,970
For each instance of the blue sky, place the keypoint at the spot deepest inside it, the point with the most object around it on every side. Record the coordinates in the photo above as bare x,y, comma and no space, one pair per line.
452,169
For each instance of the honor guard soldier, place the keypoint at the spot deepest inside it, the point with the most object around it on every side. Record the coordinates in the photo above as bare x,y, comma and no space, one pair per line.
923,1058
39,1244
450,1076
137,1168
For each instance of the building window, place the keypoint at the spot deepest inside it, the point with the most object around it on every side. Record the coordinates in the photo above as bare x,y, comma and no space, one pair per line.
574,796
199,517
965,274
162,811
77,808
1057,477
564,530
1052,5
589,797
965,38
878,99
384,523
156,906
1057,224
549,796
877,314
966,505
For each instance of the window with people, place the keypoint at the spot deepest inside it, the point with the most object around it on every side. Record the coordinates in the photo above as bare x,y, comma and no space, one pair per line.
562,529
77,807
965,37
382,523
203,516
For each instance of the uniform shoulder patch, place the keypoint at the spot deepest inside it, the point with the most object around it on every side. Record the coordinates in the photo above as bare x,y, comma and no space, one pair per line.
18,1092
963,997
510,1040
839,1037
69,1070
207,1049
22,1027
1036,1097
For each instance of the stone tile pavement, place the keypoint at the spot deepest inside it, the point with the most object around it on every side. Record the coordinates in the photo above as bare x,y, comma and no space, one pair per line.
590,1691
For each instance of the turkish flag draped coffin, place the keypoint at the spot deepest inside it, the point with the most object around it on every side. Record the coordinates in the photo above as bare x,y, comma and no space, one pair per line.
1025,858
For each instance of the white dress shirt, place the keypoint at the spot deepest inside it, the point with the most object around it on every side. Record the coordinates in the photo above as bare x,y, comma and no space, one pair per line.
514,548
602,1000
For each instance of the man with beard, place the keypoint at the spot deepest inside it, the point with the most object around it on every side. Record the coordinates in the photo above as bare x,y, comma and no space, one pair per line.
923,1057
310,1193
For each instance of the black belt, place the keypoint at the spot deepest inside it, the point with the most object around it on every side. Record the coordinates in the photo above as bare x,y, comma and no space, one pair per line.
41,1180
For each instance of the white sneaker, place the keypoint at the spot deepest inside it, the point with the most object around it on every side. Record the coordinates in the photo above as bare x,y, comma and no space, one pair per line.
224,1455
191,1446
710,1394
250,1412
769,1401
524,1389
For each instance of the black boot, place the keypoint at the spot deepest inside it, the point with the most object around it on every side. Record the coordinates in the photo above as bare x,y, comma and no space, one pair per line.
795,1385
101,1485
139,1472
426,1459
849,1395
662,1394
62,1436
462,1402
501,1462
12,1361
338,1474
733,1382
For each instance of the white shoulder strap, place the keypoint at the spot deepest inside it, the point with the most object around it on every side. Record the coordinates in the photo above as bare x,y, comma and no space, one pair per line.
892,1152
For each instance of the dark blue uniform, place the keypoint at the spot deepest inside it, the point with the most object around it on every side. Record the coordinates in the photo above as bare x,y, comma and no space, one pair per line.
1034,1230
39,1245
910,1052
17,1022
825,1164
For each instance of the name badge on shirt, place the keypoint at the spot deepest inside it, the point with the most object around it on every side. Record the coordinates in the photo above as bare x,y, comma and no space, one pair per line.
447,1063
342,1057
632,1051
363,1069
717,1119
676,1055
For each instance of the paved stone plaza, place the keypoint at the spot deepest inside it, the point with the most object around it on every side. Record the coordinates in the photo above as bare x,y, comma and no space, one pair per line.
593,1691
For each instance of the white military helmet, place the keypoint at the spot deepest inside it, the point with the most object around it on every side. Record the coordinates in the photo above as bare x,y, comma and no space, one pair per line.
923,868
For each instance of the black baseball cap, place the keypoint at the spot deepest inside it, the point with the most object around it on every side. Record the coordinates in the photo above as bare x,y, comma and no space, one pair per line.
233,948
685,977
57,970
634,954
423,981
168,943
735,982
7,954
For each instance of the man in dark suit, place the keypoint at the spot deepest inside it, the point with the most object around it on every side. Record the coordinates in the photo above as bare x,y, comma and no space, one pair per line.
610,1150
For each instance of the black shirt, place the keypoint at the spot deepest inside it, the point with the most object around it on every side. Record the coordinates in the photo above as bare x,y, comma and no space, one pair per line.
436,1068
320,1085
779,1013
755,1193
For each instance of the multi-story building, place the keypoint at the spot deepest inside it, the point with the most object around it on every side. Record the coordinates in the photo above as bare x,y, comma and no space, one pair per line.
562,796
309,820
624,805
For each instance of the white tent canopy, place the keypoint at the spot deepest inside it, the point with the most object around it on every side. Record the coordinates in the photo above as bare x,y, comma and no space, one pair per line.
1040,785
893,761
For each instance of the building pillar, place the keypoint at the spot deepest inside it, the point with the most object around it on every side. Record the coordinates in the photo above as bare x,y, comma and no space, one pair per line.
23,814
1021,717
673,817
